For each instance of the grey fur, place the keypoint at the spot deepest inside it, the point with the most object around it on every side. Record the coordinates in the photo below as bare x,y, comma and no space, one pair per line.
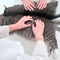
49,31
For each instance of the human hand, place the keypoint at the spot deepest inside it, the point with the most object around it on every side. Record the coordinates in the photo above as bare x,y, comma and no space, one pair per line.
41,4
21,23
29,5
38,30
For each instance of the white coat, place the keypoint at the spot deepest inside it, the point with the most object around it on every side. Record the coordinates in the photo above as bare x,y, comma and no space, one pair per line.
10,50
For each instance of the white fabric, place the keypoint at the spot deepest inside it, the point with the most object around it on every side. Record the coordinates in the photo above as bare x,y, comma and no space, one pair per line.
12,50
4,31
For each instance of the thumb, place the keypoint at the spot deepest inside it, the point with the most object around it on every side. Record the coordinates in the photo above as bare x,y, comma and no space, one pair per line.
27,25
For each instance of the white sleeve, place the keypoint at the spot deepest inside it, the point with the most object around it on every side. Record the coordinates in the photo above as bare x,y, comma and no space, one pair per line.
40,51
4,31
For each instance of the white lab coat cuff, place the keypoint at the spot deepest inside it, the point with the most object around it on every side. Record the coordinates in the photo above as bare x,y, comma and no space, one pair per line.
4,31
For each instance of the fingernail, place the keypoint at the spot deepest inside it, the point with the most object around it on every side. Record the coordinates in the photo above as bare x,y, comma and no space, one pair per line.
33,10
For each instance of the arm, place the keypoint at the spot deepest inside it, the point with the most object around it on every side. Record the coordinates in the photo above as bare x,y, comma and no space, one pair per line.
40,51
4,30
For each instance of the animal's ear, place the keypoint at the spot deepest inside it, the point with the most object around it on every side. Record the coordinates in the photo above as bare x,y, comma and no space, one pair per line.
52,4
5,7
51,7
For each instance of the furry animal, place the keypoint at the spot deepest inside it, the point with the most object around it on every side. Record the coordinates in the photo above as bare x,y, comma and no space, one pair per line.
13,14
48,12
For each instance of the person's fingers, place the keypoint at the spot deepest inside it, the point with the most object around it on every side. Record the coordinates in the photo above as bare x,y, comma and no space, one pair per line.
38,6
43,5
41,22
31,8
26,8
38,21
35,21
32,4
27,25
27,18
38,3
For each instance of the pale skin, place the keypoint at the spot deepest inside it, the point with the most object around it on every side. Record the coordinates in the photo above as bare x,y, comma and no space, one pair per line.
41,4
38,30
21,23
29,4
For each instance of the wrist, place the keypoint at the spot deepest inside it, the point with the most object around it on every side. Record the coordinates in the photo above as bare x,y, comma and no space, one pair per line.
40,38
12,27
